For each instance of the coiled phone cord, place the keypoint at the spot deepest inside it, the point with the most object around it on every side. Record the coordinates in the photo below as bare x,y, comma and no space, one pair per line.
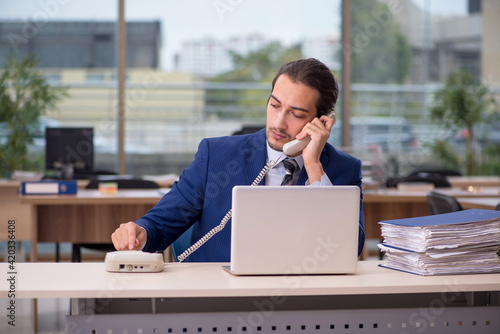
226,218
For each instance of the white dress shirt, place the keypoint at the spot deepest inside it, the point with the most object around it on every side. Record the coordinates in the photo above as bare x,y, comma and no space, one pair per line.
276,174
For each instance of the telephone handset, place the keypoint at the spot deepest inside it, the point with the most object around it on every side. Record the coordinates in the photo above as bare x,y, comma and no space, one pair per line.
295,146
290,148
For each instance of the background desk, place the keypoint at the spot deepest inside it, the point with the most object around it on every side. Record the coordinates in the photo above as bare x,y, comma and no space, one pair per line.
474,181
488,203
390,203
87,217
384,204
203,295
12,208
90,217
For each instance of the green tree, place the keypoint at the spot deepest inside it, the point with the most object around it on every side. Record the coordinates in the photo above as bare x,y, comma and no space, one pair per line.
462,103
258,66
25,95
380,53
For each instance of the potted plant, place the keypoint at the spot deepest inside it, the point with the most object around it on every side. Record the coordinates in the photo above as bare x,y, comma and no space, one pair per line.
461,106
25,95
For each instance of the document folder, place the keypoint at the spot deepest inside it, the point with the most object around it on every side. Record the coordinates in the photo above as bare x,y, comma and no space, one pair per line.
48,187
461,242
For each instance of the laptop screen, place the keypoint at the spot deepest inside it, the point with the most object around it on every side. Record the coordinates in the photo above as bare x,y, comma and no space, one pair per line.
294,230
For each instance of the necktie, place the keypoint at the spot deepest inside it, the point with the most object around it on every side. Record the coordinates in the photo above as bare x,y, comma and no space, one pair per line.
291,169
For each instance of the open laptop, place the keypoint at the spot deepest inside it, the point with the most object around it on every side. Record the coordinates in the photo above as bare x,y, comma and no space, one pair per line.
294,230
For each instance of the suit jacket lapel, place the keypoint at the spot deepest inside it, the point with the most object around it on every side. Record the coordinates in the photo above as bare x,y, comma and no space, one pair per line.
254,153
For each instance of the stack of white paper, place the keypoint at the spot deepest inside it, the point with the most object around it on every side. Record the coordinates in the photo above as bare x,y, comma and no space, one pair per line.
462,242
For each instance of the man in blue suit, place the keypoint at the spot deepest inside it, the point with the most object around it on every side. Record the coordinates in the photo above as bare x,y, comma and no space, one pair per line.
303,93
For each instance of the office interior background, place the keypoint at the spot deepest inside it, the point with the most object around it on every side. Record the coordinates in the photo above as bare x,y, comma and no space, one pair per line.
194,75
204,68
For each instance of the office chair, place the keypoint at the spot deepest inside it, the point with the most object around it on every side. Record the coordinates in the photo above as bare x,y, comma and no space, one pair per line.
125,183
76,255
248,129
437,180
438,171
182,243
439,203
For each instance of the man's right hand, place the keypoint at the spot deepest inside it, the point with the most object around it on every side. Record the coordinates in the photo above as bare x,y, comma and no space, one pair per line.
129,236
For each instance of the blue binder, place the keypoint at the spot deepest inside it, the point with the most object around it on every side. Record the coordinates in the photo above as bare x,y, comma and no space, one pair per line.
457,217
49,187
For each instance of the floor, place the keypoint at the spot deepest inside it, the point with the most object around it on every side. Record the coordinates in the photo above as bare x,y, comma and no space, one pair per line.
51,316
52,312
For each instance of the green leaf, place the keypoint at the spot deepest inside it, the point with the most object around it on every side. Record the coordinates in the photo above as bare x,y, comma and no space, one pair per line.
25,95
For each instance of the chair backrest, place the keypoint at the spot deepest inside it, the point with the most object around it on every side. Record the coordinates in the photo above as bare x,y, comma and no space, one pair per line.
182,243
437,180
439,171
248,129
440,203
498,207
125,183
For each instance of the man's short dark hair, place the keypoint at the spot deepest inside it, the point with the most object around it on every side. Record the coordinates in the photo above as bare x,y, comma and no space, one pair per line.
313,73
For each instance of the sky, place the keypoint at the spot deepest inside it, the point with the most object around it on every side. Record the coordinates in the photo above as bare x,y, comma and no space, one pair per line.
286,20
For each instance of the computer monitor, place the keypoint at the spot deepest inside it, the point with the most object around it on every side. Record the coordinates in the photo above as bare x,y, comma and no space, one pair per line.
69,152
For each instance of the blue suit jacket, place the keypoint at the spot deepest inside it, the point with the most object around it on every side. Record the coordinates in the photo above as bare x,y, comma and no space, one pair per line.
202,196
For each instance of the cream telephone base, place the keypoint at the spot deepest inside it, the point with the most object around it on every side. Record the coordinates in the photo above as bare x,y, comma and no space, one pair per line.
133,261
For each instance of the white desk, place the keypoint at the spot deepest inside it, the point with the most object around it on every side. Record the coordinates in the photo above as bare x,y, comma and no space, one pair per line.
489,203
90,280
203,296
